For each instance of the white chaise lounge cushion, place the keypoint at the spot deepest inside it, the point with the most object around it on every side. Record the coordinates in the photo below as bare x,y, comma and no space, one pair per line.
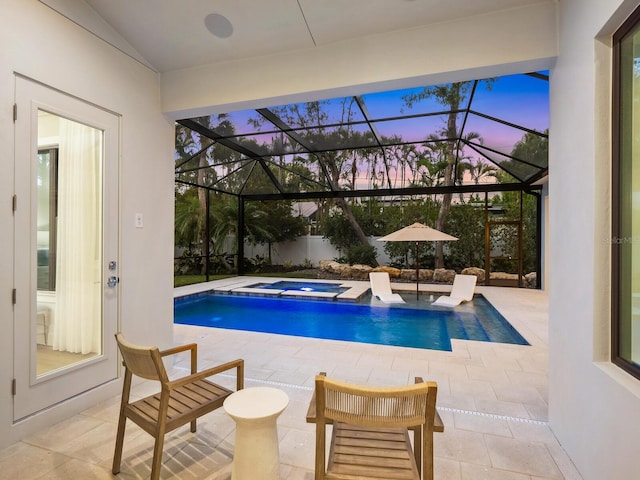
461,291
381,288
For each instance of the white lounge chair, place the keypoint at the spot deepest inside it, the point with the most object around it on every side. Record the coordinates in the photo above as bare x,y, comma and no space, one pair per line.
381,288
461,291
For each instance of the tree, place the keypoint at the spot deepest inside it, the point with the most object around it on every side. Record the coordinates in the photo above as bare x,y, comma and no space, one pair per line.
532,148
449,150
226,214
201,153
188,218
339,165
481,170
279,224
466,221
423,210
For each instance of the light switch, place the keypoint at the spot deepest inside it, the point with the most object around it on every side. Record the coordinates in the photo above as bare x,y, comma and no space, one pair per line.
139,220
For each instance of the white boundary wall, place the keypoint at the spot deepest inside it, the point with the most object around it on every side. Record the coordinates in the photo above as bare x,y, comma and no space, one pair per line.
312,248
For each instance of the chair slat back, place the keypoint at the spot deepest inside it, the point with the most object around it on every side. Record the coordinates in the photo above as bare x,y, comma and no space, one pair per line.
389,407
144,362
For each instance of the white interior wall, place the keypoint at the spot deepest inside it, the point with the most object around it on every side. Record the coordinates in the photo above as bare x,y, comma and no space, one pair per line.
594,407
454,51
41,44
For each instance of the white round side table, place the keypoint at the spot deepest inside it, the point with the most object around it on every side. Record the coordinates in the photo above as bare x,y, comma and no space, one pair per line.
255,411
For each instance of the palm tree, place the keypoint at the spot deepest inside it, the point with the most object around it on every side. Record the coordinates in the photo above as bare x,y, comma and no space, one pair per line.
449,151
480,170
225,213
188,218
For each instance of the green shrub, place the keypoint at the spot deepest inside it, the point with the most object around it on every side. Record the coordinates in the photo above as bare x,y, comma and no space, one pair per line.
362,254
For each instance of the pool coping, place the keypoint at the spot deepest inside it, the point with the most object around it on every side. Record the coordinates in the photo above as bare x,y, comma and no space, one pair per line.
243,285
508,301
236,286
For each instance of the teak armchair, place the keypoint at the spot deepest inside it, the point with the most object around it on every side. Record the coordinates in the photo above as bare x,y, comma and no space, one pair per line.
179,402
371,426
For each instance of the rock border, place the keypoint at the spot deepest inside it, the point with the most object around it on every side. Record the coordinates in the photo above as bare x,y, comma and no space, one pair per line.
439,275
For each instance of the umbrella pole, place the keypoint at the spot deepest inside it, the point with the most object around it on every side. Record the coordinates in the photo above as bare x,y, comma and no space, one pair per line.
417,270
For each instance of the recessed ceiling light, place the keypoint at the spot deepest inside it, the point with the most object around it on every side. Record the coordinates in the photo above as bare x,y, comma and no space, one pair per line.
218,25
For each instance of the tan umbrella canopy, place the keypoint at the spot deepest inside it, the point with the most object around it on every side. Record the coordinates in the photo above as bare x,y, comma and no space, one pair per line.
417,233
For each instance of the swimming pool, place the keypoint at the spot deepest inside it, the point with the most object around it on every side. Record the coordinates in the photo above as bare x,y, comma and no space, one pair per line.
407,325
302,286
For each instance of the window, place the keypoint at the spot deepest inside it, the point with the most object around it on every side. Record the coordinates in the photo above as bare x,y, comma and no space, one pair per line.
626,197
47,188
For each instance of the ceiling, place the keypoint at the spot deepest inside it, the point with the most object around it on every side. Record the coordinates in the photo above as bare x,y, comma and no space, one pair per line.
171,34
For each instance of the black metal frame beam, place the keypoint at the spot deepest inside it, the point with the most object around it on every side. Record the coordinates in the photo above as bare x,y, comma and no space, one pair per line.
509,124
408,191
199,152
207,132
374,131
380,192
291,133
461,133
478,149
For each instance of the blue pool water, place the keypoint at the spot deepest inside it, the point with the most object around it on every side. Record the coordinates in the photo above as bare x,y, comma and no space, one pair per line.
289,285
401,325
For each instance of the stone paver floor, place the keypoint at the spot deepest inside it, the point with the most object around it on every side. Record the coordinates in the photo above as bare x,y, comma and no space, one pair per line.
492,398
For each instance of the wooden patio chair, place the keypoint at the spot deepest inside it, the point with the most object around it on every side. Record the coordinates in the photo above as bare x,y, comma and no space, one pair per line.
180,401
371,426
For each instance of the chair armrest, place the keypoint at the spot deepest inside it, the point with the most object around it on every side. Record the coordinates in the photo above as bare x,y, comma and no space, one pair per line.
178,349
438,425
239,364
311,410
193,347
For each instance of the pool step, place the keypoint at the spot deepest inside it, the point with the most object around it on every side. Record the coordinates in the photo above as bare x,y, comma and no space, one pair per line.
502,333
469,328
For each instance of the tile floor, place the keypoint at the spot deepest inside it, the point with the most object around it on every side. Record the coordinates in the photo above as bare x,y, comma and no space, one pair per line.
492,399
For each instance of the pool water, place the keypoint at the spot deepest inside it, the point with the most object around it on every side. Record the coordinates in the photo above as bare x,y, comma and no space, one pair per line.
289,285
406,325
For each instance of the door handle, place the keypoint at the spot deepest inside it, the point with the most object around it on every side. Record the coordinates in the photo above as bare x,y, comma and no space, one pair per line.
112,281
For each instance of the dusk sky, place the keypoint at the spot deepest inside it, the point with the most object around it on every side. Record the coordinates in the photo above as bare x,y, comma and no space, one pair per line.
517,99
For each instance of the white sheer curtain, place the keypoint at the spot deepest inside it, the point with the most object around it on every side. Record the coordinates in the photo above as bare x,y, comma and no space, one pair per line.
78,320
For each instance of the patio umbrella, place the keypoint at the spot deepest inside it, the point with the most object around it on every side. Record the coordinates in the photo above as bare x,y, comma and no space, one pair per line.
417,233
